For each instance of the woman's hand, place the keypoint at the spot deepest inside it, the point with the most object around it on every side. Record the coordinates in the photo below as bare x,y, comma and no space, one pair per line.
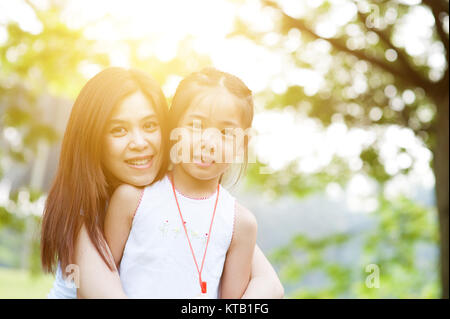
264,282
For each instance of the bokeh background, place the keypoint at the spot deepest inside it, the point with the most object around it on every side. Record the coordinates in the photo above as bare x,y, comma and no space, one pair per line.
350,188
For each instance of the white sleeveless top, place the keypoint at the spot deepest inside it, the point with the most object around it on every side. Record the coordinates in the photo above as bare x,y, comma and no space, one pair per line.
62,289
157,261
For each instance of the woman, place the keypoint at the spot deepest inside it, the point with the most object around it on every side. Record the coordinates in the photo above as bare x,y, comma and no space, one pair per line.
72,226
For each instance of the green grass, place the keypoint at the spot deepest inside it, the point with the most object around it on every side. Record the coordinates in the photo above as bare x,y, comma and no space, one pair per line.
16,283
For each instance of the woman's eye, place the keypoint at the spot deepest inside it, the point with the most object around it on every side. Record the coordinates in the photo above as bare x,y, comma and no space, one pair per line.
118,130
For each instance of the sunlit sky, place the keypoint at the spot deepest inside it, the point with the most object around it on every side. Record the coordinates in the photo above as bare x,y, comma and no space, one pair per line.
161,25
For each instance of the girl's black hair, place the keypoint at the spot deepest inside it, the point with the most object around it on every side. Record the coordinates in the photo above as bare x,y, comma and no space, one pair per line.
210,78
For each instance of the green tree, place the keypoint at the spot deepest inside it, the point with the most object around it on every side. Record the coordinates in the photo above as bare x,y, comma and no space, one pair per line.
391,246
35,65
368,39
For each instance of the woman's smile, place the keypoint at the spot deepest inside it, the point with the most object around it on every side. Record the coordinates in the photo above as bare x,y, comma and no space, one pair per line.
140,162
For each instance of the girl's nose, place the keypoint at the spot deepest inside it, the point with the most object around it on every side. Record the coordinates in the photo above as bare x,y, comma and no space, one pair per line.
208,144
210,140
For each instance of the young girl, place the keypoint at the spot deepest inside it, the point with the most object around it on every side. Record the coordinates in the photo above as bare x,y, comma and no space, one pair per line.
186,236
96,157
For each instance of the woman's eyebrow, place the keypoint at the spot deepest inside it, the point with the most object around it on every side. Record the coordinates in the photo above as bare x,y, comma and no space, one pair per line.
119,120
112,121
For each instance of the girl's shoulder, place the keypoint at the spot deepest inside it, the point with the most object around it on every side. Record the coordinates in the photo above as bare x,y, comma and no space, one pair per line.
125,200
245,216
126,192
134,198
159,188
245,223
131,195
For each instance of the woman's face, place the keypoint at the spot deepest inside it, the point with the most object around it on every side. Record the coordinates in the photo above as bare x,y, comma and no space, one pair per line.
132,142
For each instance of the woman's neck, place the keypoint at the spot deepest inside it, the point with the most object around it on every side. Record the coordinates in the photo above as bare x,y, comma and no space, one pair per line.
193,187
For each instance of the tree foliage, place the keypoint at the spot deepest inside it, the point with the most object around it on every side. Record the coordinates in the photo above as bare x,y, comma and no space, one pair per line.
371,80
394,245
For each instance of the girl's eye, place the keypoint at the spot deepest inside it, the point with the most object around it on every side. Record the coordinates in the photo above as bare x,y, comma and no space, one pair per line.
118,131
227,133
151,126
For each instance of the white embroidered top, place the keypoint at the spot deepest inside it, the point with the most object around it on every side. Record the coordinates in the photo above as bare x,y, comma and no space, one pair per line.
157,261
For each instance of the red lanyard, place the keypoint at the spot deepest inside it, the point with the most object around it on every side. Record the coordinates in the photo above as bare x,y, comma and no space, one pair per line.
202,283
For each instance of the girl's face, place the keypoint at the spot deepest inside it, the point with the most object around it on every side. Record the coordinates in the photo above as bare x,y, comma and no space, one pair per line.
132,142
209,119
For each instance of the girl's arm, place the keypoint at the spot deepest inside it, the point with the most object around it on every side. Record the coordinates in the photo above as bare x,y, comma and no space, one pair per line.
95,278
119,218
238,262
264,283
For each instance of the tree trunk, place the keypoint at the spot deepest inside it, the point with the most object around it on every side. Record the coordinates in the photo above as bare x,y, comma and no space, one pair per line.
441,173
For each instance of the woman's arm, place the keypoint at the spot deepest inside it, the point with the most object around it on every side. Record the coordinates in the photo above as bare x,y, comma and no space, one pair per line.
264,283
238,262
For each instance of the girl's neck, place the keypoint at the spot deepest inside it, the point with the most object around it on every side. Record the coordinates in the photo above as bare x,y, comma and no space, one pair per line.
193,187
